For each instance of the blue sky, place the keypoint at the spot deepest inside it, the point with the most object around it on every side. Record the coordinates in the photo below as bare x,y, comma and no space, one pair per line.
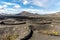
34,6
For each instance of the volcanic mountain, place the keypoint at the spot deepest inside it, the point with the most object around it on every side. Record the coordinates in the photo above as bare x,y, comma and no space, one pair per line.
25,13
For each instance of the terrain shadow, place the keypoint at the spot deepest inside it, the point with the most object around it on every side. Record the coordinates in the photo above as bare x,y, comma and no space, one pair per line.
28,36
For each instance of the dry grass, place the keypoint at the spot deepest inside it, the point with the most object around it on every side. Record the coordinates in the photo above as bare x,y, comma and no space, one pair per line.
10,37
52,32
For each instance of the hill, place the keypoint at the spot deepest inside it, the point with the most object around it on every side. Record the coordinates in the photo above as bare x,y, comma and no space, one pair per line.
25,13
57,14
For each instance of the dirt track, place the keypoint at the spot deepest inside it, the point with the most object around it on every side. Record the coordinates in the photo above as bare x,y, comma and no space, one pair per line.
38,36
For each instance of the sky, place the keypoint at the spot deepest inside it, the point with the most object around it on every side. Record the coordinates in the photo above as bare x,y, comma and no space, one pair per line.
33,6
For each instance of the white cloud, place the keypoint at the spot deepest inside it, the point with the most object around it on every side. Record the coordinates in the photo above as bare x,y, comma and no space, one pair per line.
25,2
16,0
3,10
8,3
14,4
38,3
17,6
31,7
3,6
6,9
41,3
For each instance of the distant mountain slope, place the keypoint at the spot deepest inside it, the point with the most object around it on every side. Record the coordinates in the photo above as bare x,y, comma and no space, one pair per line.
25,13
54,14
